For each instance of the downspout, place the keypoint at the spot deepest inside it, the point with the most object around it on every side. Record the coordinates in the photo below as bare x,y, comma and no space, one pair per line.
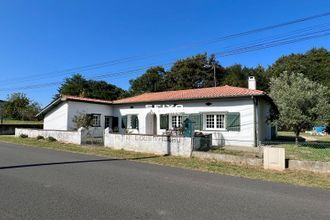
255,121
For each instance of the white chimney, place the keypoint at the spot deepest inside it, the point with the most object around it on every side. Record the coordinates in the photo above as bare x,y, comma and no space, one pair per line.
252,82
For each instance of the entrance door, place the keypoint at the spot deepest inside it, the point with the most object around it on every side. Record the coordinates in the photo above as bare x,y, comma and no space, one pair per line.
151,123
107,122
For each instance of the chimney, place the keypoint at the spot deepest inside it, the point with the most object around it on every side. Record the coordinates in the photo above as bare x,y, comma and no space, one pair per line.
252,82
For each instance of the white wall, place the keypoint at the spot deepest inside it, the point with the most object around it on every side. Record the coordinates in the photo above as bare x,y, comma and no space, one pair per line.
57,118
73,137
74,108
244,137
161,145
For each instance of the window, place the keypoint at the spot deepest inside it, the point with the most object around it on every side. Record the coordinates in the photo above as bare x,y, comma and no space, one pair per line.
130,121
96,120
214,121
176,121
134,121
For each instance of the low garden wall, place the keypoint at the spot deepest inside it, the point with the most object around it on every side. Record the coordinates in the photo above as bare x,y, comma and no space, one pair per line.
73,137
228,158
161,145
313,166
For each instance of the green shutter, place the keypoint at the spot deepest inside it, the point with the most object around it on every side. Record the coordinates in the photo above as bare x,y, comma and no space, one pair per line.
164,121
184,117
124,121
134,122
233,121
197,120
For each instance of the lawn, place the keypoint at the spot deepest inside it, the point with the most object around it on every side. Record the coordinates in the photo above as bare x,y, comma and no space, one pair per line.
291,135
318,150
306,152
10,121
292,177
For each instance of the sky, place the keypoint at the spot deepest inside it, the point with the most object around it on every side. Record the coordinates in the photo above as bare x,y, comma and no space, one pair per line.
45,41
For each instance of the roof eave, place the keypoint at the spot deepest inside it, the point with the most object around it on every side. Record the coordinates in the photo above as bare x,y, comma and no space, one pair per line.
171,100
50,106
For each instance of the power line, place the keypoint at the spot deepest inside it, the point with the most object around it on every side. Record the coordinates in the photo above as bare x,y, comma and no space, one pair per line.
135,58
259,41
288,40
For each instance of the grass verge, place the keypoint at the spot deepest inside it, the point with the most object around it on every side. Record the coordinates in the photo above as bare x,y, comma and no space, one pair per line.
291,177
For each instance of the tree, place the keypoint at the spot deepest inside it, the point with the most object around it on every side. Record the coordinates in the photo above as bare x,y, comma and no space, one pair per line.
314,64
237,75
194,72
77,85
83,120
153,80
301,102
20,107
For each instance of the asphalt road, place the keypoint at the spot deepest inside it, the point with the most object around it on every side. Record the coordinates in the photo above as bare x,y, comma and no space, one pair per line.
45,184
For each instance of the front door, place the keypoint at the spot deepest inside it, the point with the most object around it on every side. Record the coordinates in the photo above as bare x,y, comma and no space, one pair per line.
107,121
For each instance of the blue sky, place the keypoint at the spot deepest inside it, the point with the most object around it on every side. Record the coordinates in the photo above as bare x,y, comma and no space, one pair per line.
45,37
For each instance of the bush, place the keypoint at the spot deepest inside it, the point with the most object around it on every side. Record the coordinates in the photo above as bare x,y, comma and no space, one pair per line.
51,139
39,137
23,136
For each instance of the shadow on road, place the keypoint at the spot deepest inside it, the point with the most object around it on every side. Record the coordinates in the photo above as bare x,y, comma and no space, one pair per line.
71,162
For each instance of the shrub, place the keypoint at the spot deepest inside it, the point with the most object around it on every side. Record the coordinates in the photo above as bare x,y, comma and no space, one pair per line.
39,137
23,136
51,139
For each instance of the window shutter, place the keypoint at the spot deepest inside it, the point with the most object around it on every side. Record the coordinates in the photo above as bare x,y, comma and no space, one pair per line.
134,122
197,120
124,121
233,121
184,117
164,121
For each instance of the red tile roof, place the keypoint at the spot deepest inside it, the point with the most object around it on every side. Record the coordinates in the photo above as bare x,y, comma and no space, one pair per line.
188,94
82,99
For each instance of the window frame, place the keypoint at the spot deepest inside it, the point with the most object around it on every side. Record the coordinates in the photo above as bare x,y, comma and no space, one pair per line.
98,124
215,121
178,124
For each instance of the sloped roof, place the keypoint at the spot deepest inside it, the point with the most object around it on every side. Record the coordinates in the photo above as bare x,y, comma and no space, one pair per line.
187,94
71,98
190,94
82,99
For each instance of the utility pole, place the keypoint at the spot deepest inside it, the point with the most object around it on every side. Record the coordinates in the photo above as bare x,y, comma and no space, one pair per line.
214,78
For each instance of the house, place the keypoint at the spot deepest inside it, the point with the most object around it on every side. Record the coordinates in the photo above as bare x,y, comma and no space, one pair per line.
233,115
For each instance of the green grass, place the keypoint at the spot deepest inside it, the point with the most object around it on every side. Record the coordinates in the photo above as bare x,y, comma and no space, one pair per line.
10,121
321,139
291,177
307,152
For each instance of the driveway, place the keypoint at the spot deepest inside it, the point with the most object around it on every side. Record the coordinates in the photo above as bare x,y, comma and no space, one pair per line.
46,184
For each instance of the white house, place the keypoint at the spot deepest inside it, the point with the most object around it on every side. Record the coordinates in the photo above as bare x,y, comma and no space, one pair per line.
233,115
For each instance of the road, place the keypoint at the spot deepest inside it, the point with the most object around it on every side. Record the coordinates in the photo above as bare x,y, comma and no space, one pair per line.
46,184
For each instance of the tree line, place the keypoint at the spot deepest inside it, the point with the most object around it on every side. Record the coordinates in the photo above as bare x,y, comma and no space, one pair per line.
197,72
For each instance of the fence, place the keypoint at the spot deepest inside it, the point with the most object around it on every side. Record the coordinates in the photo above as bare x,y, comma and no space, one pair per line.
161,145
73,137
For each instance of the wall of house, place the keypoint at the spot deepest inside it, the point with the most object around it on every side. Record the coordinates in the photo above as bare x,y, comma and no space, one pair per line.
244,137
57,118
75,108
